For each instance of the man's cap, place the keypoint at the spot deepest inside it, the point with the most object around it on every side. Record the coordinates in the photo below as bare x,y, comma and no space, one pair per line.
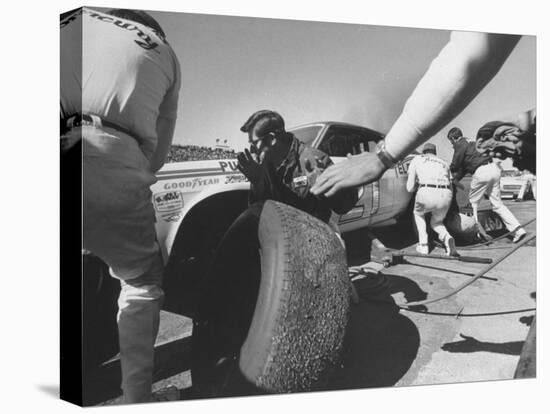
454,133
267,121
429,147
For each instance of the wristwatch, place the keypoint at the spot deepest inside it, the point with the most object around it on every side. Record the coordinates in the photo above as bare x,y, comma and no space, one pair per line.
384,156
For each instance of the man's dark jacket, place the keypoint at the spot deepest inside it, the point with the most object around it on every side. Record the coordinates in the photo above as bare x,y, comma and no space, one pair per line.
466,159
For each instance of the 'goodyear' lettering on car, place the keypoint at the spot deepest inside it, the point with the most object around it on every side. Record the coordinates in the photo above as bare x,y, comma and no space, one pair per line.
191,184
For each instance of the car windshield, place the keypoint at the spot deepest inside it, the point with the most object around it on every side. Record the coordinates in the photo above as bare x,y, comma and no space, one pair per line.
307,134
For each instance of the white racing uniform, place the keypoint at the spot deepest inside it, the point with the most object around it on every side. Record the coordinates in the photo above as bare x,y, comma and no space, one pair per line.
123,73
432,177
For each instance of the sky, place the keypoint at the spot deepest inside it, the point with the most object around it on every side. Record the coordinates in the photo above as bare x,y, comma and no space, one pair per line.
318,71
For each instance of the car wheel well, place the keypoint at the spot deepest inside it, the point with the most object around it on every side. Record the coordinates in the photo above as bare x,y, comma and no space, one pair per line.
198,236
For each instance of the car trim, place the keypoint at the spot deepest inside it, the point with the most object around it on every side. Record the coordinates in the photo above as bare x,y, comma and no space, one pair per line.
193,175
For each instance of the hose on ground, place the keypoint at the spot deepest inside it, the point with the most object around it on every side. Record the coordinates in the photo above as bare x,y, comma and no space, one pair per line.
406,305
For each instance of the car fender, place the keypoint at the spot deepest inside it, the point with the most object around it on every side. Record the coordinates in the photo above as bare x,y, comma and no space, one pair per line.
168,230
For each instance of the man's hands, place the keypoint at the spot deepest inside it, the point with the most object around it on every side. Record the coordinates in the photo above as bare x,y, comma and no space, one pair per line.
314,170
355,170
248,166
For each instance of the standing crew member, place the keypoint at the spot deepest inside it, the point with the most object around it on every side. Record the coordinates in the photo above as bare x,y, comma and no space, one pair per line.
431,175
485,179
119,96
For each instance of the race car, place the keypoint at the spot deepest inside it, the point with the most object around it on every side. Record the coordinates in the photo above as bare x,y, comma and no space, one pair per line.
197,201
186,190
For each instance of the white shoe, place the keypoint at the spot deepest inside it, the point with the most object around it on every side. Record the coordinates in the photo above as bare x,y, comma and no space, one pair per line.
422,248
450,246
520,234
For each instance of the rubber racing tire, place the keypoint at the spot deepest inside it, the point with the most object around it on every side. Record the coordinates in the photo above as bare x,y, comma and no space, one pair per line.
293,334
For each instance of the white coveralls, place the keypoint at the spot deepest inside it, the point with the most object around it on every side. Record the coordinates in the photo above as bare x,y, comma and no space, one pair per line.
433,178
122,72
486,180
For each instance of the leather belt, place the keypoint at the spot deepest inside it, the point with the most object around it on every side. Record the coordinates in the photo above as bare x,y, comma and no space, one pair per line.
448,187
77,120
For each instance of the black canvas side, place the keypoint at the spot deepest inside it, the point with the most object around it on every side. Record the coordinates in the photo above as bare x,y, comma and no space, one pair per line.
70,265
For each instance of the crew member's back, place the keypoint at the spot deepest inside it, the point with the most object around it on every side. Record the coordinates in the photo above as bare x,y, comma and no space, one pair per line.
120,70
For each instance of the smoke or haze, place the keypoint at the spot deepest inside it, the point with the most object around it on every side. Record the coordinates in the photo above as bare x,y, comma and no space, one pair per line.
310,71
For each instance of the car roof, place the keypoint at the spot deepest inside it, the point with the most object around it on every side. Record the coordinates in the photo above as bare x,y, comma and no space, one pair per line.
337,123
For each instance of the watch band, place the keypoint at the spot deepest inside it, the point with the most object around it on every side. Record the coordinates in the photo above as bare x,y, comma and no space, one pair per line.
384,156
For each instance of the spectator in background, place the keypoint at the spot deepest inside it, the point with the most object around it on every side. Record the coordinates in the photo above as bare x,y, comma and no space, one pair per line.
179,153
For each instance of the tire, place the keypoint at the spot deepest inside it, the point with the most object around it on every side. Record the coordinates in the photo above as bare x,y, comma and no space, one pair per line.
281,326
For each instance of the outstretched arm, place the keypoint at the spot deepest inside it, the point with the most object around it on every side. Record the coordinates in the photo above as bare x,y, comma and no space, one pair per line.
460,71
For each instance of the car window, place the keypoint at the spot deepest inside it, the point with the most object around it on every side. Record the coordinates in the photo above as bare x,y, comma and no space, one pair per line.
307,134
340,141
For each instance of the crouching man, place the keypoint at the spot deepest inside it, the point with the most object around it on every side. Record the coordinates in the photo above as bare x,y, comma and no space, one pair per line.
432,177
282,168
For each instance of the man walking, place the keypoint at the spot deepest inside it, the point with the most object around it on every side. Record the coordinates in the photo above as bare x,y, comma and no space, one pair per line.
485,179
432,177
119,96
